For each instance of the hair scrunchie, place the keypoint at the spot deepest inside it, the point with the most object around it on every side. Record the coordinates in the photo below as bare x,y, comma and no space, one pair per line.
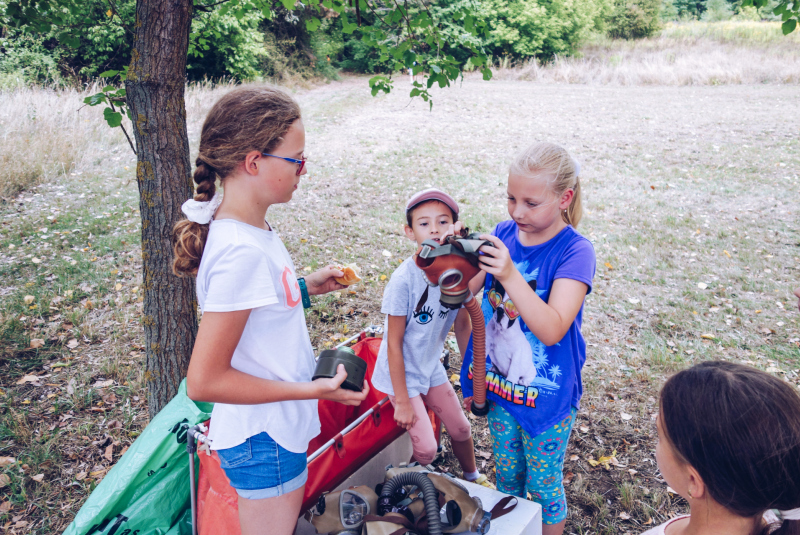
201,212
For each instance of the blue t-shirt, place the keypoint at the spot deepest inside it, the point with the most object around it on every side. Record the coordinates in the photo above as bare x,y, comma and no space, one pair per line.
536,384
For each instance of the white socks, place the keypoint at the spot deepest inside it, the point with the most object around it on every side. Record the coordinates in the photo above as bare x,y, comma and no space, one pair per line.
472,476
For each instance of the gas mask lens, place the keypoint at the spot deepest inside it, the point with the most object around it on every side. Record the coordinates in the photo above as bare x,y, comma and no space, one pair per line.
352,509
450,279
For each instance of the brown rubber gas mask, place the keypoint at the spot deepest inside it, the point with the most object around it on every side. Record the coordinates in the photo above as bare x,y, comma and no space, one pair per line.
451,265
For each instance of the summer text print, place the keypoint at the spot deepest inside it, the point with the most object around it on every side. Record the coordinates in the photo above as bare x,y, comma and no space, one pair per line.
517,394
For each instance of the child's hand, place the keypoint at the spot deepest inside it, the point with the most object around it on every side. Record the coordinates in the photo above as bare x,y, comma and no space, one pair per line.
330,389
323,281
496,260
468,404
404,414
453,230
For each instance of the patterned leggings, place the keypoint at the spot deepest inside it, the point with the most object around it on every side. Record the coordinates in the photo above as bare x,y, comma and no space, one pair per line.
533,464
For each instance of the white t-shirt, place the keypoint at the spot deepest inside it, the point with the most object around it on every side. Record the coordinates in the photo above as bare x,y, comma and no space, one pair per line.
244,267
659,530
425,333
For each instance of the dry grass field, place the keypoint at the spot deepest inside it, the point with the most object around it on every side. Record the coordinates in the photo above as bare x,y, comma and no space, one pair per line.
691,203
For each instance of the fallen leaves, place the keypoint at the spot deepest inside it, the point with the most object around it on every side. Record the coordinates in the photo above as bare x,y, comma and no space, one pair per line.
5,507
103,384
72,344
386,253
6,461
624,516
605,461
625,416
608,265
28,379
702,285
38,478
28,299
36,343
708,336
4,480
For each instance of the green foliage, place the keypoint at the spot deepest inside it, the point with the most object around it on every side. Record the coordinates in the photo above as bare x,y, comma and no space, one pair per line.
717,11
224,45
25,61
787,10
543,28
634,19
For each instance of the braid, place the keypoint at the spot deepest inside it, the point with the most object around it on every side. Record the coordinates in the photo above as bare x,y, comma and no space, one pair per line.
190,237
205,178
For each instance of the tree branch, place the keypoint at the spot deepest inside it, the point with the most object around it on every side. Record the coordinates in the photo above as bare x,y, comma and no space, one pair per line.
207,7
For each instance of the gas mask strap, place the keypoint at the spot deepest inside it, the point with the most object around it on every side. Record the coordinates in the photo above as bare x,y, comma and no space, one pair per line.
501,509
422,300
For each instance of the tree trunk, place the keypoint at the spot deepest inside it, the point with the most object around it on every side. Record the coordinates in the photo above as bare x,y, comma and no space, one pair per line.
155,91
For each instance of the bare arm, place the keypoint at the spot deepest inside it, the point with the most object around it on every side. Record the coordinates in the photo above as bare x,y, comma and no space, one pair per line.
462,328
395,332
548,321
211,378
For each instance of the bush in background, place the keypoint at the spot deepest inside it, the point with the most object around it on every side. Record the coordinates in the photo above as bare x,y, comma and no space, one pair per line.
541,28
717,11
635,19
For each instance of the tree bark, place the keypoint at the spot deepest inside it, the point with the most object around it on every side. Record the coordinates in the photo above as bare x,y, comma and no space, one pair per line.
155,92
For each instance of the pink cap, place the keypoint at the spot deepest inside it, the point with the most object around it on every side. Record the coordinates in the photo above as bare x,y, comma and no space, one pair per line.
432,194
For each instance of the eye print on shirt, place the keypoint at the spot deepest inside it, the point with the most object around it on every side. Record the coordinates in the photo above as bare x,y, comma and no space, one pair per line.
424,315
443,313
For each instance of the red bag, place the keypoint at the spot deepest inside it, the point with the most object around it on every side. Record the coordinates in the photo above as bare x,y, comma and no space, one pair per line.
217,501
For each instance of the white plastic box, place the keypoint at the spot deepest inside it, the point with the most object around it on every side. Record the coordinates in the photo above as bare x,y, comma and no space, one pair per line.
525,519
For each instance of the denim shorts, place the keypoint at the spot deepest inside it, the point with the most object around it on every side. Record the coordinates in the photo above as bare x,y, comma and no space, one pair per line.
261,468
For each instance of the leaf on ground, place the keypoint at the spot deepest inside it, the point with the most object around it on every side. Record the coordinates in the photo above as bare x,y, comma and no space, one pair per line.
72,344
38,478
483,454
584,429
36,260
702,285
608,265
36,343
726,253
109,454
5,507
386,253
574,458
28,379
633,301
625,416
707,336
4,480
383,277
118,287
103,384
5,461
605,461
633,472
624,516
28,299
81,476
567,479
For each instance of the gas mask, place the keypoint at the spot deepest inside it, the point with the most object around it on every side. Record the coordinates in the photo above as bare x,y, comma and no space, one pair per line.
450,265
342,513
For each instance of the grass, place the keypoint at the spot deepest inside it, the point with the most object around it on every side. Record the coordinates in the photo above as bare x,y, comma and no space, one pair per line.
684,186
694,53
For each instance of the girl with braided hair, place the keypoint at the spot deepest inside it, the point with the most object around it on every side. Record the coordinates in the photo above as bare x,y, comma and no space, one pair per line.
253,356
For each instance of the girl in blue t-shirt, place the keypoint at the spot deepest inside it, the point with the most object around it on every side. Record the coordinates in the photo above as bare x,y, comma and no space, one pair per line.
535,281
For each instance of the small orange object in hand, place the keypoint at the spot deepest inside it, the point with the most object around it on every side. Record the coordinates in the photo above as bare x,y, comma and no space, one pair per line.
351,274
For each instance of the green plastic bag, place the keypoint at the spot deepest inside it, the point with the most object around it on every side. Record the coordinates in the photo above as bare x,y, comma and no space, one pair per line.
147,491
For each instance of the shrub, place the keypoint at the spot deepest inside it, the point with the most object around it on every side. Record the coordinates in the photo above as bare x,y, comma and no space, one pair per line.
717,11
25,61
635,19
543,28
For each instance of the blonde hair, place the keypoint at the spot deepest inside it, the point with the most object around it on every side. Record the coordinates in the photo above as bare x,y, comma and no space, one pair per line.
550,159
244,120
